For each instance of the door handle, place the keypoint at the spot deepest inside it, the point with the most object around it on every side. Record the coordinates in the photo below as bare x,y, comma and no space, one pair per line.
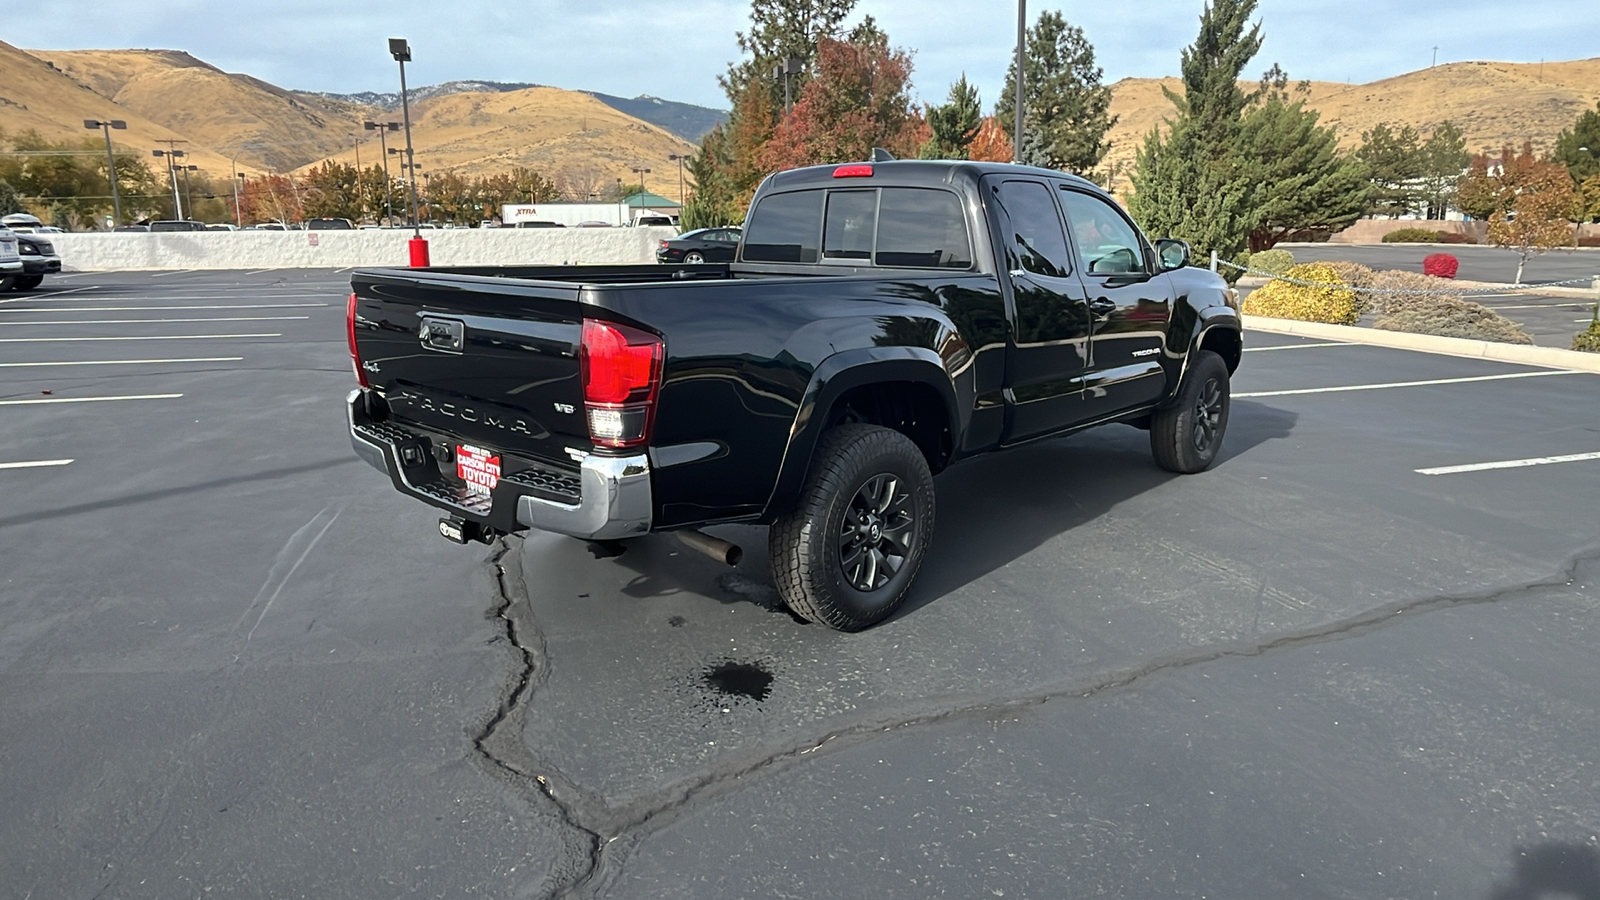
1103,306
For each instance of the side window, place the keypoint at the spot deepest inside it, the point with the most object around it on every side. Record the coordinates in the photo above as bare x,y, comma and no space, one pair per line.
783,228
922,228
852,221
1107,243
1036,243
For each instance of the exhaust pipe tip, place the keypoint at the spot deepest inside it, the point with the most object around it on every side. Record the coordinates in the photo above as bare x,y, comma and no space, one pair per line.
722,551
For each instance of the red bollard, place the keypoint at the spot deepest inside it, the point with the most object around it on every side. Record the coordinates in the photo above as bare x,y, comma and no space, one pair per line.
419,252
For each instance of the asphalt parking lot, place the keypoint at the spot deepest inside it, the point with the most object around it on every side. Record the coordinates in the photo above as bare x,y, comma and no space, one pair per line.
1355,659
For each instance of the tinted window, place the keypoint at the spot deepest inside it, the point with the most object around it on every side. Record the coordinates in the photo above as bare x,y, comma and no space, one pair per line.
922,228
1107,244
852,221
783,228
1036,243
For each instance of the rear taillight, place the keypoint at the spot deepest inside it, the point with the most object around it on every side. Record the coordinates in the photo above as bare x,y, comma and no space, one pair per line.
350,333
663,245
621,377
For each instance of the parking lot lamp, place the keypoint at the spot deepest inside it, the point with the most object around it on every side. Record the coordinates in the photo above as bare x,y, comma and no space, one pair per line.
111,159
172,178
1022,37
679,158
383,128
401,51
188,190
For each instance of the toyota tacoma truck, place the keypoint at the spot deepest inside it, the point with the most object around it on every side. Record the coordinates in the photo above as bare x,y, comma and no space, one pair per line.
880,322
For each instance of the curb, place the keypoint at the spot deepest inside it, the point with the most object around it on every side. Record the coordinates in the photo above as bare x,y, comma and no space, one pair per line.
1544,357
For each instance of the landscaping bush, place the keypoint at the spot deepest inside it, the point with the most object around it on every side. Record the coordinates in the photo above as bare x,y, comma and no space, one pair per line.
1327,299
1399,280
1450,317
1440,265
1588,340
1425,236
1353,273
1273,262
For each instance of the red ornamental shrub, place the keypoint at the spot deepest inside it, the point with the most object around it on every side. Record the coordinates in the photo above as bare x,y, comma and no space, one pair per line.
1440,265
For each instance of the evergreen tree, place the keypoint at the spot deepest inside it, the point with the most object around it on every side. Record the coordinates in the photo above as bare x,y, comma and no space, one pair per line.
1578,148
954,124
1444,158
780,29
1302,181
1063,99
1192,182
1397,164
9,201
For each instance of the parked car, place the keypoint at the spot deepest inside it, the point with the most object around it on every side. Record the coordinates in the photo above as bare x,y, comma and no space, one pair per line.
10,259
539,224
21,223
592,223
126,228
266,226
177,225
220,226
329,223
38,260
643,221
880,322
700,246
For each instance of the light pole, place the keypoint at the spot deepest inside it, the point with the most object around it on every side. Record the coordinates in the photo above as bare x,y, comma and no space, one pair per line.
172,177
401,51
111,160
1022,37
188,191
238,215
383,128
679,158
790,66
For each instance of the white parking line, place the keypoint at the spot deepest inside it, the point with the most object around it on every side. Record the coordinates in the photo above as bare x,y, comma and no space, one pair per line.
1538,306
149,321
1508,464
176,272
124,362
80,309
1401,384
89,399
142,337
1301,346
35,464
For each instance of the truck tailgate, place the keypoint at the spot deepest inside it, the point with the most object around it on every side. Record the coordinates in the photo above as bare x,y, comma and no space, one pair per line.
492,362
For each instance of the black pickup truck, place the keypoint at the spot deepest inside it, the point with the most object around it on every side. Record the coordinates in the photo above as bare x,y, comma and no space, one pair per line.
880,322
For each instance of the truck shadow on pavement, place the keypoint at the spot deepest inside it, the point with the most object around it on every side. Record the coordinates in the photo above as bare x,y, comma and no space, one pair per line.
995,509
1553,870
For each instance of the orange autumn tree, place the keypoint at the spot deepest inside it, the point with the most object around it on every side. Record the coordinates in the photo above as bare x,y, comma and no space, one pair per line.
1529,202
857,100
992,144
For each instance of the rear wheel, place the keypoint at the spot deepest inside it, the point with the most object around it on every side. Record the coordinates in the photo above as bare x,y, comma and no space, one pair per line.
1186,436
28,282
6,281
694,257
848,552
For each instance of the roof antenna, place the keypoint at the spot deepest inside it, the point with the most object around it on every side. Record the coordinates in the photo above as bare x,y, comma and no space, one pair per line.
881,155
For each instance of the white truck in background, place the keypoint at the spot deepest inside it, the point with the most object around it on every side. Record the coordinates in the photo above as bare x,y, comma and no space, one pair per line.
568,214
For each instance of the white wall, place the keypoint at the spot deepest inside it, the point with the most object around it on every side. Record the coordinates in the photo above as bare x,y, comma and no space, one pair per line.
338,249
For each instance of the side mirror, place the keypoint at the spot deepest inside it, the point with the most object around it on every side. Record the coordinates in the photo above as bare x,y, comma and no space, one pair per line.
1174,254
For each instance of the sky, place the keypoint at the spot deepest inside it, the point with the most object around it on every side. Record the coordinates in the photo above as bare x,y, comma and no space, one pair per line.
676,50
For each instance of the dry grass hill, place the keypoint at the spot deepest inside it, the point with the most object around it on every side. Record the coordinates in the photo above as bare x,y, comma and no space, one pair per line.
547,129
34,96
1493,104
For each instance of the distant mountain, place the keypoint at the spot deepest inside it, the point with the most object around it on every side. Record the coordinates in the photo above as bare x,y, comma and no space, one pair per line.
391,101
685,120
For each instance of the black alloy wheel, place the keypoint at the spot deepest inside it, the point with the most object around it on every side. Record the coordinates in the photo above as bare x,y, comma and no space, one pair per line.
847,552
1186,435
877,534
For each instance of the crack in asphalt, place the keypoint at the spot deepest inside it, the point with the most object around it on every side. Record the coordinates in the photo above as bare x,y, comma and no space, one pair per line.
614,832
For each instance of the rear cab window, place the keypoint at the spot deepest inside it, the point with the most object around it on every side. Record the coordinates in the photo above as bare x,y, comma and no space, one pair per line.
892,227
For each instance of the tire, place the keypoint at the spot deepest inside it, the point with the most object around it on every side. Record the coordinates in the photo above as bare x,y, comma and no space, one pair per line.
1186,435
6,281
28,282
868,491
694,257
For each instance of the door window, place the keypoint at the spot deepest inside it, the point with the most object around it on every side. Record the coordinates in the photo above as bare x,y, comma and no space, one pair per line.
1036,243
1107,243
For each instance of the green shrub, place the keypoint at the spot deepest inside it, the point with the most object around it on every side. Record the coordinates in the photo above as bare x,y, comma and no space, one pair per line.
1325,299
1272,262
1588,340
1449,317
1414,236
